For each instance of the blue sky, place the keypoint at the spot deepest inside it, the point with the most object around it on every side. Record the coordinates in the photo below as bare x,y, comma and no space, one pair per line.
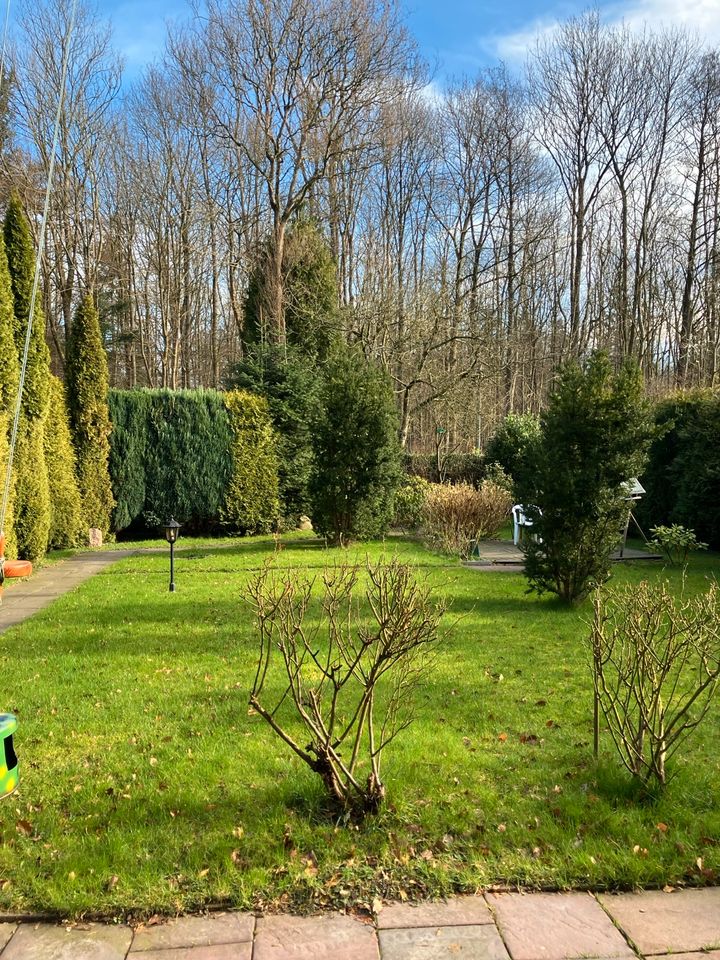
456,36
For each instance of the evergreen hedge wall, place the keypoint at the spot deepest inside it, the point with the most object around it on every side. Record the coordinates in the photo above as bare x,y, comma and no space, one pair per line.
170,454
682,478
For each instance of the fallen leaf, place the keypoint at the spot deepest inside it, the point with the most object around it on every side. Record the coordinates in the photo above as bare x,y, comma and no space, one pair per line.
24,827
501,828
377,905
662,827
502,737
238,832
668,889
205,872
112,882
72,875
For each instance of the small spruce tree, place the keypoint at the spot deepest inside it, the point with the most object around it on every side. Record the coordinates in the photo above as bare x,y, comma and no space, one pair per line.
32,492
356,450
596,432
66,523
86,377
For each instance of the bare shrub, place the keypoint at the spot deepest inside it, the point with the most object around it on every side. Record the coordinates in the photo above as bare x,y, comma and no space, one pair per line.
656,664
454,516
347,678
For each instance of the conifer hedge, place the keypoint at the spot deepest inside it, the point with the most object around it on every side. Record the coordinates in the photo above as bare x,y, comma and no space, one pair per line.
170,455
251,503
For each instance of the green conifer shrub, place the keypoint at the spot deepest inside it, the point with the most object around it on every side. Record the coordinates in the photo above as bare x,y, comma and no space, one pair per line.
356,450
251,503
32,492
21,262
512,444
128,411
66,520
596,431
9,378
289,382
86,377
32,489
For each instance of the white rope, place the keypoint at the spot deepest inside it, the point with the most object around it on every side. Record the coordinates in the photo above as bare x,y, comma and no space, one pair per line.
38,262
4,40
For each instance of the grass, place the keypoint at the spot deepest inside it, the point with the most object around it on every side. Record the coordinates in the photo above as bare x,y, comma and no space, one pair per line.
147,787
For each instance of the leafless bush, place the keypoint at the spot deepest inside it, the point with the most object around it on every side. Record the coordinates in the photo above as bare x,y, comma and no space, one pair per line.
656,664
454,516
347,678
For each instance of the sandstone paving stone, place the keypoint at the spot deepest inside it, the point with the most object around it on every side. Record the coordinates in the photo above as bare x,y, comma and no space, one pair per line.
329,937
219,951
456,912
216,928
685,921
467,942
705,955
556,926
6,931
49,941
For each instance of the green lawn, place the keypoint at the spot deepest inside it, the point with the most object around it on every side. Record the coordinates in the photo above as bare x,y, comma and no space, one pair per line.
146,786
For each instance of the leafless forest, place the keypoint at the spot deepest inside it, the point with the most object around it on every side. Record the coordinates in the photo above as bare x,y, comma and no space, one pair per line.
482,232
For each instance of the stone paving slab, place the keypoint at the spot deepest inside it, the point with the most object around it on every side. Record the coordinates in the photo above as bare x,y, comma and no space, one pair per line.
704,955
685,921
468,942
456,912
6,931
217,928
220,951
556,926
330,937
48,941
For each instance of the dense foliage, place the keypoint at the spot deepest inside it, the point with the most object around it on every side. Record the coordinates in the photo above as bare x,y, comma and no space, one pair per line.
172,453
512,444
682,478
446,468
251,501
66,515
309,292
596,431
356,450
86,376
290,384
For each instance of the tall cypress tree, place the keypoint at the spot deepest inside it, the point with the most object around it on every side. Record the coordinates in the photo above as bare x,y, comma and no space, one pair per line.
32,491
86,377
9,377
66,523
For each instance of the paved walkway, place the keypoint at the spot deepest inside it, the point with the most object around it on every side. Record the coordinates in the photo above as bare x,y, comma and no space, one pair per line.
21,599
505,553
504,926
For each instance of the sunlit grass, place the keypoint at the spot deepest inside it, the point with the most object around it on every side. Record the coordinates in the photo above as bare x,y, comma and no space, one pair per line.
146,785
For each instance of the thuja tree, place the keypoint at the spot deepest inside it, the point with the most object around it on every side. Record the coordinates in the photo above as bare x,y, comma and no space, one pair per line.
86,377
356,450
32,489
289,381
66,522
9,378
596,431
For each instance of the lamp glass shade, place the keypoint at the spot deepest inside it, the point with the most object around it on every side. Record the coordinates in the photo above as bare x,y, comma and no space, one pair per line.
172,530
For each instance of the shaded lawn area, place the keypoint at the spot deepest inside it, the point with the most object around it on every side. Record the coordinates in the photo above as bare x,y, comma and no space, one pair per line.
146,786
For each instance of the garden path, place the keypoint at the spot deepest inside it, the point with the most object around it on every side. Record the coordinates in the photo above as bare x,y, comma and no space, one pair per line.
24,598
682,925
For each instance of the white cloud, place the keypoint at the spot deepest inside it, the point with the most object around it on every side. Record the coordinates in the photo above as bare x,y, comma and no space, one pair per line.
698,16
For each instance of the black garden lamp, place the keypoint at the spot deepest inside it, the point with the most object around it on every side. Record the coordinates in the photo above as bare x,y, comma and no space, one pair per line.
172,532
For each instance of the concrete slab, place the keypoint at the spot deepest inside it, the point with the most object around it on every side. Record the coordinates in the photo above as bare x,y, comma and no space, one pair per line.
329,937
479,942
685,921
457,912
213,929
219,951
48,941
556,926
6,931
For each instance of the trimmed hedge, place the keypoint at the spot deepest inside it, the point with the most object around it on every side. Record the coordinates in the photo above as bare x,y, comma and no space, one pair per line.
170,456
682,478
251,503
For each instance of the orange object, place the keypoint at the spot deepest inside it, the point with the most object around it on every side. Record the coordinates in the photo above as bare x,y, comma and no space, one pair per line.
14,568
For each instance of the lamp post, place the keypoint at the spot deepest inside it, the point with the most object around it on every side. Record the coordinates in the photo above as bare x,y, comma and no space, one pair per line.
172,531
